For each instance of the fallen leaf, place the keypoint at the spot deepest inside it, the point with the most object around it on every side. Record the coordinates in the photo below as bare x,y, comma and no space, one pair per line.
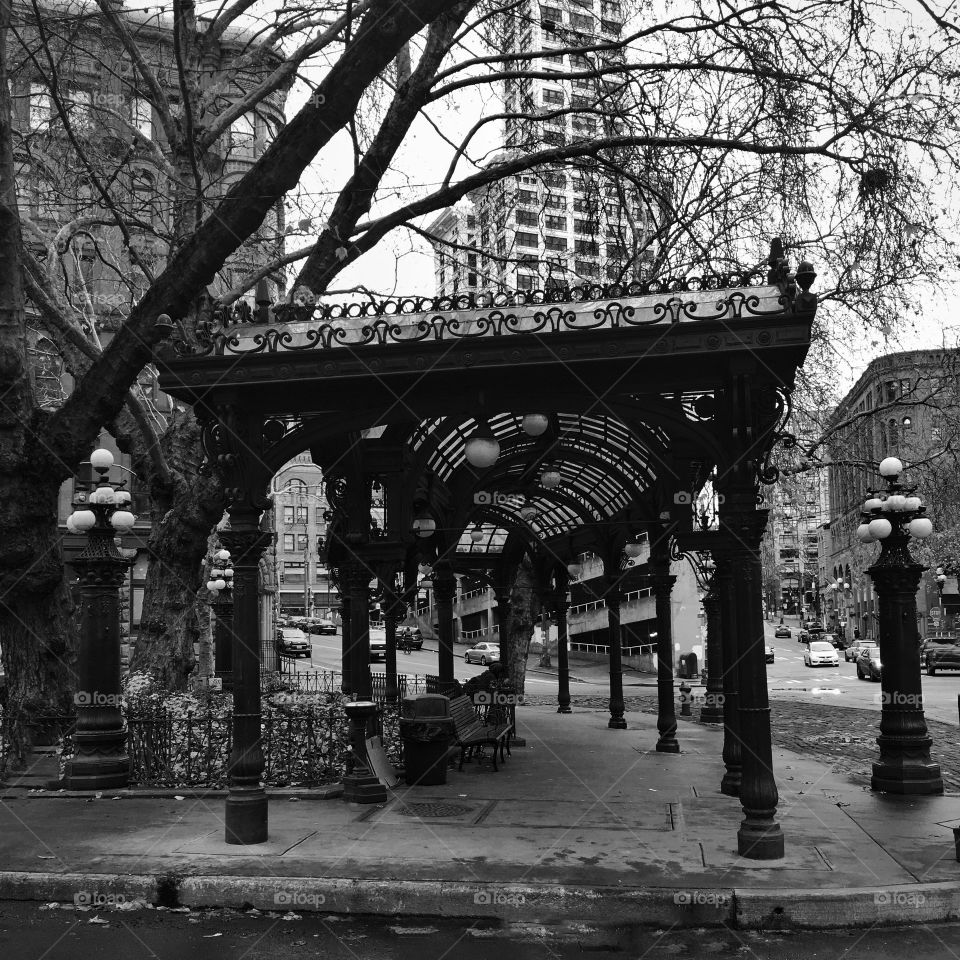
46,856
208,936
97,920
291,916
178,798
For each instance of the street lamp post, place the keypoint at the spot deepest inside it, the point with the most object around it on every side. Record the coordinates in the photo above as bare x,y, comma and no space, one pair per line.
100,760
892,517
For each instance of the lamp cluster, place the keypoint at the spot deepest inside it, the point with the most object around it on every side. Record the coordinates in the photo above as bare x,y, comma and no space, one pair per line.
221,573
895,508
107,504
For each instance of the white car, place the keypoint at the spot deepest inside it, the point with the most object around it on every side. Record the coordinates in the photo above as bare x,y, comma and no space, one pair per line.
821,654
483,653
378,643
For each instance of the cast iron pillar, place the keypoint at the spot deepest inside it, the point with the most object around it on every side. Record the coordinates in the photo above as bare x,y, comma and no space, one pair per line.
732,754
100,760
612,596
246,807
358,584
393,610
563,660
346,681
223,638
444,588
759,836
905,764
712,709
662,581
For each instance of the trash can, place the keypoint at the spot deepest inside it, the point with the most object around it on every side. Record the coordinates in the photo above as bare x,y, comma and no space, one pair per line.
426,729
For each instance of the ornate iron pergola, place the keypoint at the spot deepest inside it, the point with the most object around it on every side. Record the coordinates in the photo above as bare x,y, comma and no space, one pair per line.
647,389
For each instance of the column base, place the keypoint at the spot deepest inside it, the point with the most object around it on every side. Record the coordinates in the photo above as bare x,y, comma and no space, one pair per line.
617,723
710,714
730,784
760,841
246,816
916,778
97,773
564,708
668,744
363,788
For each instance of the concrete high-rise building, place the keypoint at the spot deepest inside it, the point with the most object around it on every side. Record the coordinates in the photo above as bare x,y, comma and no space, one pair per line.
577,222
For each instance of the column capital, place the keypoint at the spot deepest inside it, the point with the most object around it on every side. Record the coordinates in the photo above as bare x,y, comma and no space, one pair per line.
245,546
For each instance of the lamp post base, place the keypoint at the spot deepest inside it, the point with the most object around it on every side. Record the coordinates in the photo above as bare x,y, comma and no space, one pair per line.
245,819
363,788
96,773
711,712
760,841
906,776
617,723
668,744
564,708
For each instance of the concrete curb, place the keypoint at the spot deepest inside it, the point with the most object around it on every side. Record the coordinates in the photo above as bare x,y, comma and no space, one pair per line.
329,792
760,909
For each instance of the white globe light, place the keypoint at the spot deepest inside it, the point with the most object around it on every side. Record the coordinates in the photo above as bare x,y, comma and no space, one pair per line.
913,503
101,459
228,573
476,534
880,528
216,572
633,550
103,495
535,424
897,502
70,525
122,520
424,526
920,527
574,570
219,584
212,586
550,479
122,496
84,519
890,467
863,533
482,452
874,503
222,554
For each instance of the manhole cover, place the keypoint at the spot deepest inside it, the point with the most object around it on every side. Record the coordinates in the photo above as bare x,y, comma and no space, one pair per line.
434,810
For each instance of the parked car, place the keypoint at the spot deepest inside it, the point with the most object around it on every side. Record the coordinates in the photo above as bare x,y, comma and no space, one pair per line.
782,631
834,639
318,625
940,653
821,654
769,654
852,650
869,666
378,643
409,638
483,653
293,642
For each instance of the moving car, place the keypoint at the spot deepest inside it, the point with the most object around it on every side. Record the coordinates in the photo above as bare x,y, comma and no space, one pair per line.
409,638
483,653
293,642
768,657
868,662
378,643
852,650
782,631
940,653
318,625
811,631
820,653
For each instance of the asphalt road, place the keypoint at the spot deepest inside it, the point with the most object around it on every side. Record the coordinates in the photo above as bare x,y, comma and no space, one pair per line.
31,933
788,677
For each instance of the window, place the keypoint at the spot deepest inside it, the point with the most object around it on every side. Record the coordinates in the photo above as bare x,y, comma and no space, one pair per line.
293,571
288,543
555,243
588,248
302,541
553,97
556,223
526,218
78,106
141,115
295,485
585,269
555,201
551,13
586,226
242,134
582,22
288,514
527,197
39,106
556,138
891,390
585,206
524,282
526,239
47,372
554,179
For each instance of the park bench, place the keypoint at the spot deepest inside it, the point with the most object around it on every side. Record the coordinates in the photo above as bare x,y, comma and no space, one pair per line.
473,735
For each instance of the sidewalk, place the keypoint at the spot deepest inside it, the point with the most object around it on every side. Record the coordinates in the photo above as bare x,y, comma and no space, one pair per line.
583,824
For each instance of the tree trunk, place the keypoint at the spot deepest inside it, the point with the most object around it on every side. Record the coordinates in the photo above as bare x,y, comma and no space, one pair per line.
524,610
169,625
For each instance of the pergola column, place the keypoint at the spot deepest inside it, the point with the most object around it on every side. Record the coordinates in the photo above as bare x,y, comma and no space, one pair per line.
346,678
392,613
358,584
759,836
611,595
723,586
662,581
712,709
563,660
246,806
444,588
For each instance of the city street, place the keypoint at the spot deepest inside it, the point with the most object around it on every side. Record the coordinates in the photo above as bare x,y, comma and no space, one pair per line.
787,677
